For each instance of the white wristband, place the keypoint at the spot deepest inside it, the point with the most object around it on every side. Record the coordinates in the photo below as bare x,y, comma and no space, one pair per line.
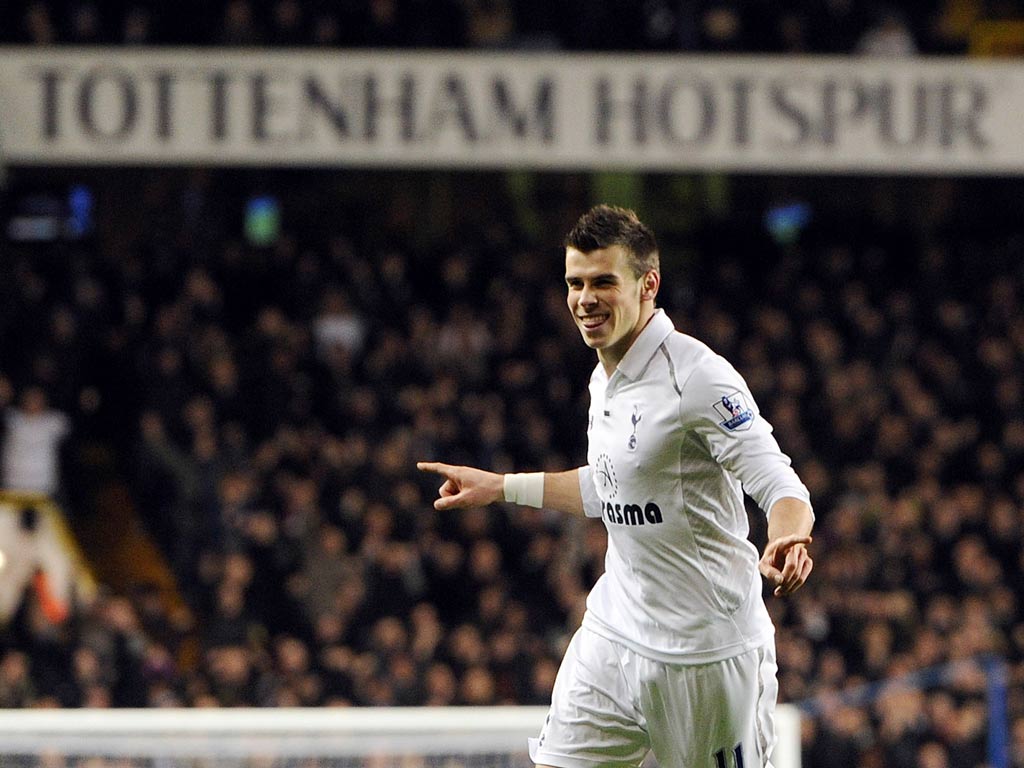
526,488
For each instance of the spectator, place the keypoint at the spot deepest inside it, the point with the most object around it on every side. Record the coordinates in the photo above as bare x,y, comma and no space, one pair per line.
31,446
889,38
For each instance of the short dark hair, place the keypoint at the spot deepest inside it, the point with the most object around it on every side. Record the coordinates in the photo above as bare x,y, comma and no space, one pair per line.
606,225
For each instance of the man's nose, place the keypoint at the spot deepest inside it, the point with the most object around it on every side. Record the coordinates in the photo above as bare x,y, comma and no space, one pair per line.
587,296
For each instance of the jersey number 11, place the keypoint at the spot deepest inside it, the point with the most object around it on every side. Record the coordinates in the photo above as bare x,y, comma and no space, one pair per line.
721,761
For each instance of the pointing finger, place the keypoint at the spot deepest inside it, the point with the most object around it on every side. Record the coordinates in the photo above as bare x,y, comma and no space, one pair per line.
798,578
794,563
435,467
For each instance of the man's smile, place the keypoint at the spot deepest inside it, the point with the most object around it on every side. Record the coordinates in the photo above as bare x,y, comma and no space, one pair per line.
590,322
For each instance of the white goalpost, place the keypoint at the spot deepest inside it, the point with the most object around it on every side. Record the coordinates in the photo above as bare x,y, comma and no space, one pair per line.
400,737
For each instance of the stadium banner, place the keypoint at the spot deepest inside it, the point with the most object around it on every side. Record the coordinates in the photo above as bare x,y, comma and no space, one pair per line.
472,110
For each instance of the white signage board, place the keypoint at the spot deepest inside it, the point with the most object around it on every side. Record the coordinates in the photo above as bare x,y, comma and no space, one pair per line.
432,110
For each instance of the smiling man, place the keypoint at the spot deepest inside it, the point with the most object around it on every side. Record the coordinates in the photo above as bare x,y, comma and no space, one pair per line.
676,652
611,287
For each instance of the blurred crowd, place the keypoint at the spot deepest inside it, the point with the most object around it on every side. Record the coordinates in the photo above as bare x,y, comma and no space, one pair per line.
269,400
795,26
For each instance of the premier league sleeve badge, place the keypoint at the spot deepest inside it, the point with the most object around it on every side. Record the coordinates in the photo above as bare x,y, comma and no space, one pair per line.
734,412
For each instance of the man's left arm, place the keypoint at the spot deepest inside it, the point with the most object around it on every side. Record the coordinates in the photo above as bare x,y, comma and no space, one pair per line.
720,407
786,563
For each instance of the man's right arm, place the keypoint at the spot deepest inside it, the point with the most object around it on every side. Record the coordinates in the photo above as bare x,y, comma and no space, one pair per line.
470,487
562,492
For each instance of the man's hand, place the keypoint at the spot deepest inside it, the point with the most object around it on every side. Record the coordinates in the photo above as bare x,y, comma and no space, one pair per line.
786,564
465,486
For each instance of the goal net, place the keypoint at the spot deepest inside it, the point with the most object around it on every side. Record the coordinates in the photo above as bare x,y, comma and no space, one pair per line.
422,737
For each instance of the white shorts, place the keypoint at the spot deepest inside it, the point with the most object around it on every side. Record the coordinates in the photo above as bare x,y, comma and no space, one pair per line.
611,706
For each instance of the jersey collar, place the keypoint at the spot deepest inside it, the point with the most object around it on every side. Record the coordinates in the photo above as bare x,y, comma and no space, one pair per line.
642,350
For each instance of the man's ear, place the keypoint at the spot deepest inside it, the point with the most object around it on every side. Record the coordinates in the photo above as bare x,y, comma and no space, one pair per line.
650,283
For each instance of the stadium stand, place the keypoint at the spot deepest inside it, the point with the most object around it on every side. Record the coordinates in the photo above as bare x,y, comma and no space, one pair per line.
273,399
799,26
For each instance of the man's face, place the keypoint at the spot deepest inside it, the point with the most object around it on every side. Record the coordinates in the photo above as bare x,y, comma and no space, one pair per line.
604,298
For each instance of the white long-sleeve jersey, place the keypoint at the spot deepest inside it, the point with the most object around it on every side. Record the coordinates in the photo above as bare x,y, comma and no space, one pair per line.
674,441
